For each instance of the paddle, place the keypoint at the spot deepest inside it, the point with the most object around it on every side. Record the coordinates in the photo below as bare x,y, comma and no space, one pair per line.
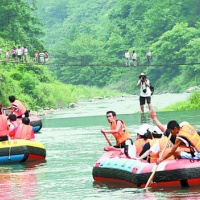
155,168
107,139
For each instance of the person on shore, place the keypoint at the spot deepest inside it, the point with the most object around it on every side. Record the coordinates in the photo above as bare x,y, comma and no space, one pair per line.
4,129
17,107
119,130
185,135
127,58
23,131
145,92
134,58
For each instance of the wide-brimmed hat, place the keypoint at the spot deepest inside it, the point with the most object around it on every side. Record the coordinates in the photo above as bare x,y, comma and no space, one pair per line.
142,74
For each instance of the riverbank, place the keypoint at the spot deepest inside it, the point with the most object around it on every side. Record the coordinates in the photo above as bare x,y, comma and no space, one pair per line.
125,104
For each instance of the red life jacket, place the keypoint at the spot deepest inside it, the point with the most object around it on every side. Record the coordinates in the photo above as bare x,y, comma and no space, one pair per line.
23,132
20,108
4,129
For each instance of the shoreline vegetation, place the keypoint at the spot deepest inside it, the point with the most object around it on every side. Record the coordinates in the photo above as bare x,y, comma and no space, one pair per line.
191,103
42,93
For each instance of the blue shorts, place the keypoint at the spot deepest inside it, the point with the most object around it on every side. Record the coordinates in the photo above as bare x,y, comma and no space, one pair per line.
189,156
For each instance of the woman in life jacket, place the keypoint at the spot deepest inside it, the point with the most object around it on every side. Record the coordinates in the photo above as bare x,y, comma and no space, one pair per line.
119,130
143,136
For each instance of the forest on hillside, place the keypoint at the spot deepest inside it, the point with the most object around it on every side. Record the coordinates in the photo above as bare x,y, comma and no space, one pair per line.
32,82
86,41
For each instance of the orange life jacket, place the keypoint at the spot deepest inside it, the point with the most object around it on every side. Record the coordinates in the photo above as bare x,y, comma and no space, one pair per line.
4,129
139,143
23,132
189,133
21,108
123,134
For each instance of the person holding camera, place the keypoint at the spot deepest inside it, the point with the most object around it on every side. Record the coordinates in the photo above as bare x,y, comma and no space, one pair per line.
145,92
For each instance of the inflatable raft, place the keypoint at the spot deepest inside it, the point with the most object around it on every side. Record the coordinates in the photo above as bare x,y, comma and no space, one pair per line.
113,166
16,151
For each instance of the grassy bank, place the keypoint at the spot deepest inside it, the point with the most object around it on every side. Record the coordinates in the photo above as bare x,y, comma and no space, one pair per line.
193,103
38,88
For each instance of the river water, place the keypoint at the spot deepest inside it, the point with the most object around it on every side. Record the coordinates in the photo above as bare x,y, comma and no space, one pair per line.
73,142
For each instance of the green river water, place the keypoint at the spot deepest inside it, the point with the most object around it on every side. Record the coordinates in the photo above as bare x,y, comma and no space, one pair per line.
73,142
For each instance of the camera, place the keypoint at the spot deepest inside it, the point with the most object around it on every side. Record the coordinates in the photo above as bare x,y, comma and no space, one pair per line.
144,90
143,79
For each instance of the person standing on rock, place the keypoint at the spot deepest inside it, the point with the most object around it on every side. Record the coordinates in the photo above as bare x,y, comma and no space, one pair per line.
145,92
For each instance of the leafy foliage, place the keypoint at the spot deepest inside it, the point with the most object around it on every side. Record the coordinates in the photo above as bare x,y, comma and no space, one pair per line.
98,33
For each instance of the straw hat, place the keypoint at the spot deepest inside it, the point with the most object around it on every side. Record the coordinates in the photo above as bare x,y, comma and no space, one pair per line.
142,74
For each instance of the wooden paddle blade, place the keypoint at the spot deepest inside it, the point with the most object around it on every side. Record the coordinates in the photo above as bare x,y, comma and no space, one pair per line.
151,177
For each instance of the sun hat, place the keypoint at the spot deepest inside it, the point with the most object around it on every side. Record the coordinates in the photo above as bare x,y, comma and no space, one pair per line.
142,74
143,129
183,123
156,130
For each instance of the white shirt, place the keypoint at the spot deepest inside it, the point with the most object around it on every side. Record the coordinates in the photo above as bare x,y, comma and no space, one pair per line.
127,55
156,147
142,87
134,56
19,52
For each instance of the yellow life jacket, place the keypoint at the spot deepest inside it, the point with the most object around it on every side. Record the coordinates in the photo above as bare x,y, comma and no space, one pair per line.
189,133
